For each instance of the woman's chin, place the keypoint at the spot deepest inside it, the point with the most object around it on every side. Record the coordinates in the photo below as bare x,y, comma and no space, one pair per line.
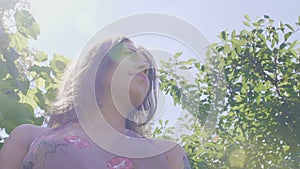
136,99
137,94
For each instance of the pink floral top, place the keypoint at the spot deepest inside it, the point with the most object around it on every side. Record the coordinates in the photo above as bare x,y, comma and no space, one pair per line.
65,149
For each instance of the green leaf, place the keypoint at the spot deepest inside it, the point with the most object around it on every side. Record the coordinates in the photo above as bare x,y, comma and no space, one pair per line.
266,17
41,56
42,71
293,52
166,122
247,17
160,122
227,48
12,69
51,94
177,55
247,24
40,99
197,65
261,21
29,98
238,42
15,83
290,27
188,62
237,158
281,26
26,24
58,64
244,89
287,35
283,45
238,98
258,99
276,37
5,84
233,34
15,113
18,41
3,70
184,67
273,43
40,83
10,93
223,35
11,55
23,85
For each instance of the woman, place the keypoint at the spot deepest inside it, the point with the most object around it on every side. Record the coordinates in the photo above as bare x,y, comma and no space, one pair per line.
68,142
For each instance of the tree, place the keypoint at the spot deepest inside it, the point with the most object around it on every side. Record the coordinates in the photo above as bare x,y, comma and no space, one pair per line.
259,125
244,100
28,77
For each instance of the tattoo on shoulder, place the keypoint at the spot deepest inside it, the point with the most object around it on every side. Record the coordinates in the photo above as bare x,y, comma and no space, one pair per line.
186,162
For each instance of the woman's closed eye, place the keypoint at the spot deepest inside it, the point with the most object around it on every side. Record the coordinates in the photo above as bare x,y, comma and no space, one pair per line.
146,71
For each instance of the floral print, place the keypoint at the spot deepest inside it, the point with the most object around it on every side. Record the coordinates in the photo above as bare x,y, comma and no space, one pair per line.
77,142
120,163
46,146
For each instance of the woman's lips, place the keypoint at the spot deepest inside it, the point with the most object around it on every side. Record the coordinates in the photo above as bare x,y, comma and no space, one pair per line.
142,76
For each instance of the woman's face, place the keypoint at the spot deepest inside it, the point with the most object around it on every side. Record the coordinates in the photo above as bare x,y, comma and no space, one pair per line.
126,76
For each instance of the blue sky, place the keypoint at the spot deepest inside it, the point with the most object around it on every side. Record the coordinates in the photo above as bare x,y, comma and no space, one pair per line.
66,25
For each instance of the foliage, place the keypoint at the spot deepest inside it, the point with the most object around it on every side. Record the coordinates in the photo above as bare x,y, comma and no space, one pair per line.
28,77
262,74
258,70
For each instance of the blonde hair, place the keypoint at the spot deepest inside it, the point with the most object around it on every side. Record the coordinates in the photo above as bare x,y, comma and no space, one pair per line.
62,109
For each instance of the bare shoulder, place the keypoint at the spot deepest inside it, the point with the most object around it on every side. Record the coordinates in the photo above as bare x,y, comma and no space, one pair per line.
26,133
177,157
17,145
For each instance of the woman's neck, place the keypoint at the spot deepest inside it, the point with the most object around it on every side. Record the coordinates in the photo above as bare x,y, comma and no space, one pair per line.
112,116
